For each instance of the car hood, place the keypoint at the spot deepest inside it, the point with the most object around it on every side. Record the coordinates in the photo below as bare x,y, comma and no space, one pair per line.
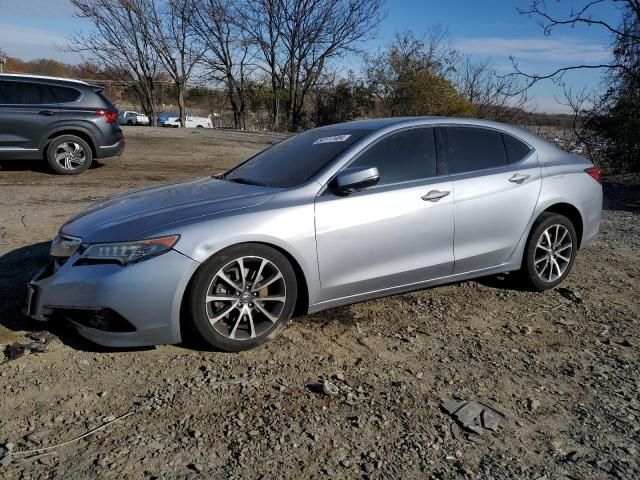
134,214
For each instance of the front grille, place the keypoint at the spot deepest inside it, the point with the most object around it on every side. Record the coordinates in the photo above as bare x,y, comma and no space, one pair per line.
104,319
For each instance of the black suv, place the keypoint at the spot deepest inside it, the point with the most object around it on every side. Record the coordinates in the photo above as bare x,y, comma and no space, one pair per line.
66,122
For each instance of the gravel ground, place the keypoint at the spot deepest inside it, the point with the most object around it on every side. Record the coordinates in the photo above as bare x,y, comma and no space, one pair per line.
352,392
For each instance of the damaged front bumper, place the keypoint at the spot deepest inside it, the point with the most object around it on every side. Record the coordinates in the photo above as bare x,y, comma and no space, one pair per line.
114,305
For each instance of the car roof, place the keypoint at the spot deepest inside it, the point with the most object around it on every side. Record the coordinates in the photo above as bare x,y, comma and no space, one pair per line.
389,124
41,77
379,123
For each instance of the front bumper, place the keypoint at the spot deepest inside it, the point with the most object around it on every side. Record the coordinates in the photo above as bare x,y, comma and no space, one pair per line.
148,295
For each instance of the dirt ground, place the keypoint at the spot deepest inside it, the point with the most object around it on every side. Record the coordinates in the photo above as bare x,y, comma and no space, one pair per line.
565,372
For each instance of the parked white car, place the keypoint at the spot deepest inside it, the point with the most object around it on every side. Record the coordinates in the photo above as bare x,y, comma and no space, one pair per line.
190,122
133,118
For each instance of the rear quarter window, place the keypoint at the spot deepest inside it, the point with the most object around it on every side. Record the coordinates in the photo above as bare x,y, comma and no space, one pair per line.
516,149
66,94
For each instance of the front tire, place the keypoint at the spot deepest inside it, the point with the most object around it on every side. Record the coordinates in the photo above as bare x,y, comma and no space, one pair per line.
69,155
242,297
550,251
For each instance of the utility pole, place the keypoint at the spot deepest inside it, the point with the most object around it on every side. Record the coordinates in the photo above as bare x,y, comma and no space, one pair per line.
2,62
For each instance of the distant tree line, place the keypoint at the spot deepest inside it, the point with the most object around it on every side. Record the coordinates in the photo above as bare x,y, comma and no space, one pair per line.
286,45
284,63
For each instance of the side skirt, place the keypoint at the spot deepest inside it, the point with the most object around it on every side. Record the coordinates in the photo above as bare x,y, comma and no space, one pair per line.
412,287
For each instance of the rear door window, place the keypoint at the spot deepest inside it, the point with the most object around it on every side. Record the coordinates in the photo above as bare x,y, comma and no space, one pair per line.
25,93
471,148
403,156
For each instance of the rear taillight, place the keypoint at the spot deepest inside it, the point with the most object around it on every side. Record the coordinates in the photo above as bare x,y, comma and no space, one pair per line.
109,116
594,172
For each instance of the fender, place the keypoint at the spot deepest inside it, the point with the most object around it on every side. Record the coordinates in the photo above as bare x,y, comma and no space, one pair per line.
67,128
307,264
545,202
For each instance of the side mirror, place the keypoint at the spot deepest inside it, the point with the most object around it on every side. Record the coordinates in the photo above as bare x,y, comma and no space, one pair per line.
353,179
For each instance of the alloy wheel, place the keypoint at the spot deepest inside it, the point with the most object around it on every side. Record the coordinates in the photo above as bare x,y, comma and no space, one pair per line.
245,298
553,253
70,156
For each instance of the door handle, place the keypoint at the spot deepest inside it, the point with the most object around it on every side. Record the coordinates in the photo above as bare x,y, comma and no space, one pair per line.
435,195
519,177
47,113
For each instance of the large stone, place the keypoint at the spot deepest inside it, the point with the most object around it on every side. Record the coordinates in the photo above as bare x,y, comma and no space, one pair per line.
473,415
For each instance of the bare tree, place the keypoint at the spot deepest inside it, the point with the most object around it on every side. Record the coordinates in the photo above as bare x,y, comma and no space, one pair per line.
316,31
489,92
228,51
615,114
583,16
262,22
118,44
580,103
168,26
297,39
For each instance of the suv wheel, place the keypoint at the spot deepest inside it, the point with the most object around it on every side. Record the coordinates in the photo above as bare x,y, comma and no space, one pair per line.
550,252
69,155
242,297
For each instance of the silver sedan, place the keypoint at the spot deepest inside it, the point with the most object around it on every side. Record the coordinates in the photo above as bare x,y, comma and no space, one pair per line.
329,217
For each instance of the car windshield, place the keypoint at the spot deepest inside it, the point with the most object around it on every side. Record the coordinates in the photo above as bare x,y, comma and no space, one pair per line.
294,160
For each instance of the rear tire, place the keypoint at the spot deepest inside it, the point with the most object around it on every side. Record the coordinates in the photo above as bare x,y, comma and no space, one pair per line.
233,311
550,252
69,155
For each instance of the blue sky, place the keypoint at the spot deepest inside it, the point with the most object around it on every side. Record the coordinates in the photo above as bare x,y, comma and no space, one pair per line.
486,29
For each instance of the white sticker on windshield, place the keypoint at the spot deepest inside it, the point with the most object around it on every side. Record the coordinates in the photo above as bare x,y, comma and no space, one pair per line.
335,138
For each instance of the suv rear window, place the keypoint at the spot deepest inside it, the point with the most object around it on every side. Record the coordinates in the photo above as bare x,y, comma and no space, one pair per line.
25,93
98,92
65,94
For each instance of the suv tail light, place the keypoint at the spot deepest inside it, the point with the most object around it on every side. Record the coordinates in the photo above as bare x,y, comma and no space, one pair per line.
594,172
109,116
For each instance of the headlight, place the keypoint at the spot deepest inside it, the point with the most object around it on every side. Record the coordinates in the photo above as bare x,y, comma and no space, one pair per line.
129,252
64,246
